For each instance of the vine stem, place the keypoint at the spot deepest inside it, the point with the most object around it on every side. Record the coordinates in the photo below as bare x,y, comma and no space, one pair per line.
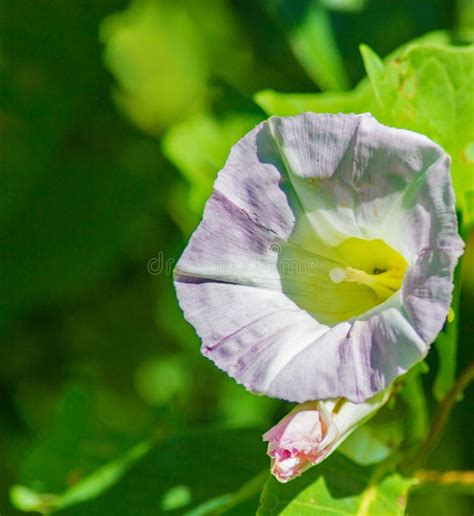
442,414
445,477
461,482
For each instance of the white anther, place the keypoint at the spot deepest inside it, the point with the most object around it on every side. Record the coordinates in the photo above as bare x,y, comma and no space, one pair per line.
337,275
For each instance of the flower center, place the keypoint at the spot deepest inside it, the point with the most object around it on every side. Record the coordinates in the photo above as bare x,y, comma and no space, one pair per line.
373,266
344,281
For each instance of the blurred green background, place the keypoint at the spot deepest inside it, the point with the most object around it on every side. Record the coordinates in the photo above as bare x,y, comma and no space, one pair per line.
115,118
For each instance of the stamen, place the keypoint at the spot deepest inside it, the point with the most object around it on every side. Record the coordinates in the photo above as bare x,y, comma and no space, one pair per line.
383,282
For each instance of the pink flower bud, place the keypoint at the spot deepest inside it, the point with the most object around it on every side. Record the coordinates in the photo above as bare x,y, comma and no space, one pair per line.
299,440
313,430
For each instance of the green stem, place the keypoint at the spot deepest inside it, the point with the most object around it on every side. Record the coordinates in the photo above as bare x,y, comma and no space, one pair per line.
450,481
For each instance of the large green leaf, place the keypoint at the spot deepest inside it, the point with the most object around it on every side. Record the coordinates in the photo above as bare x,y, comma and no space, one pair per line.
337,486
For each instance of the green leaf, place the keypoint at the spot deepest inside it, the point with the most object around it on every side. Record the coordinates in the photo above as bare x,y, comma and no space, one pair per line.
287,104
375,69
310,36
337,486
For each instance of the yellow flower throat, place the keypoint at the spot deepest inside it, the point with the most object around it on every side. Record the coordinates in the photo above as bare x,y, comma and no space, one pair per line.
371,263
345,280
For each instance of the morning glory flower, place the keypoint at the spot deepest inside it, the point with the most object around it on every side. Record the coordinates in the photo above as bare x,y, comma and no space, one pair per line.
323,265
313,430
